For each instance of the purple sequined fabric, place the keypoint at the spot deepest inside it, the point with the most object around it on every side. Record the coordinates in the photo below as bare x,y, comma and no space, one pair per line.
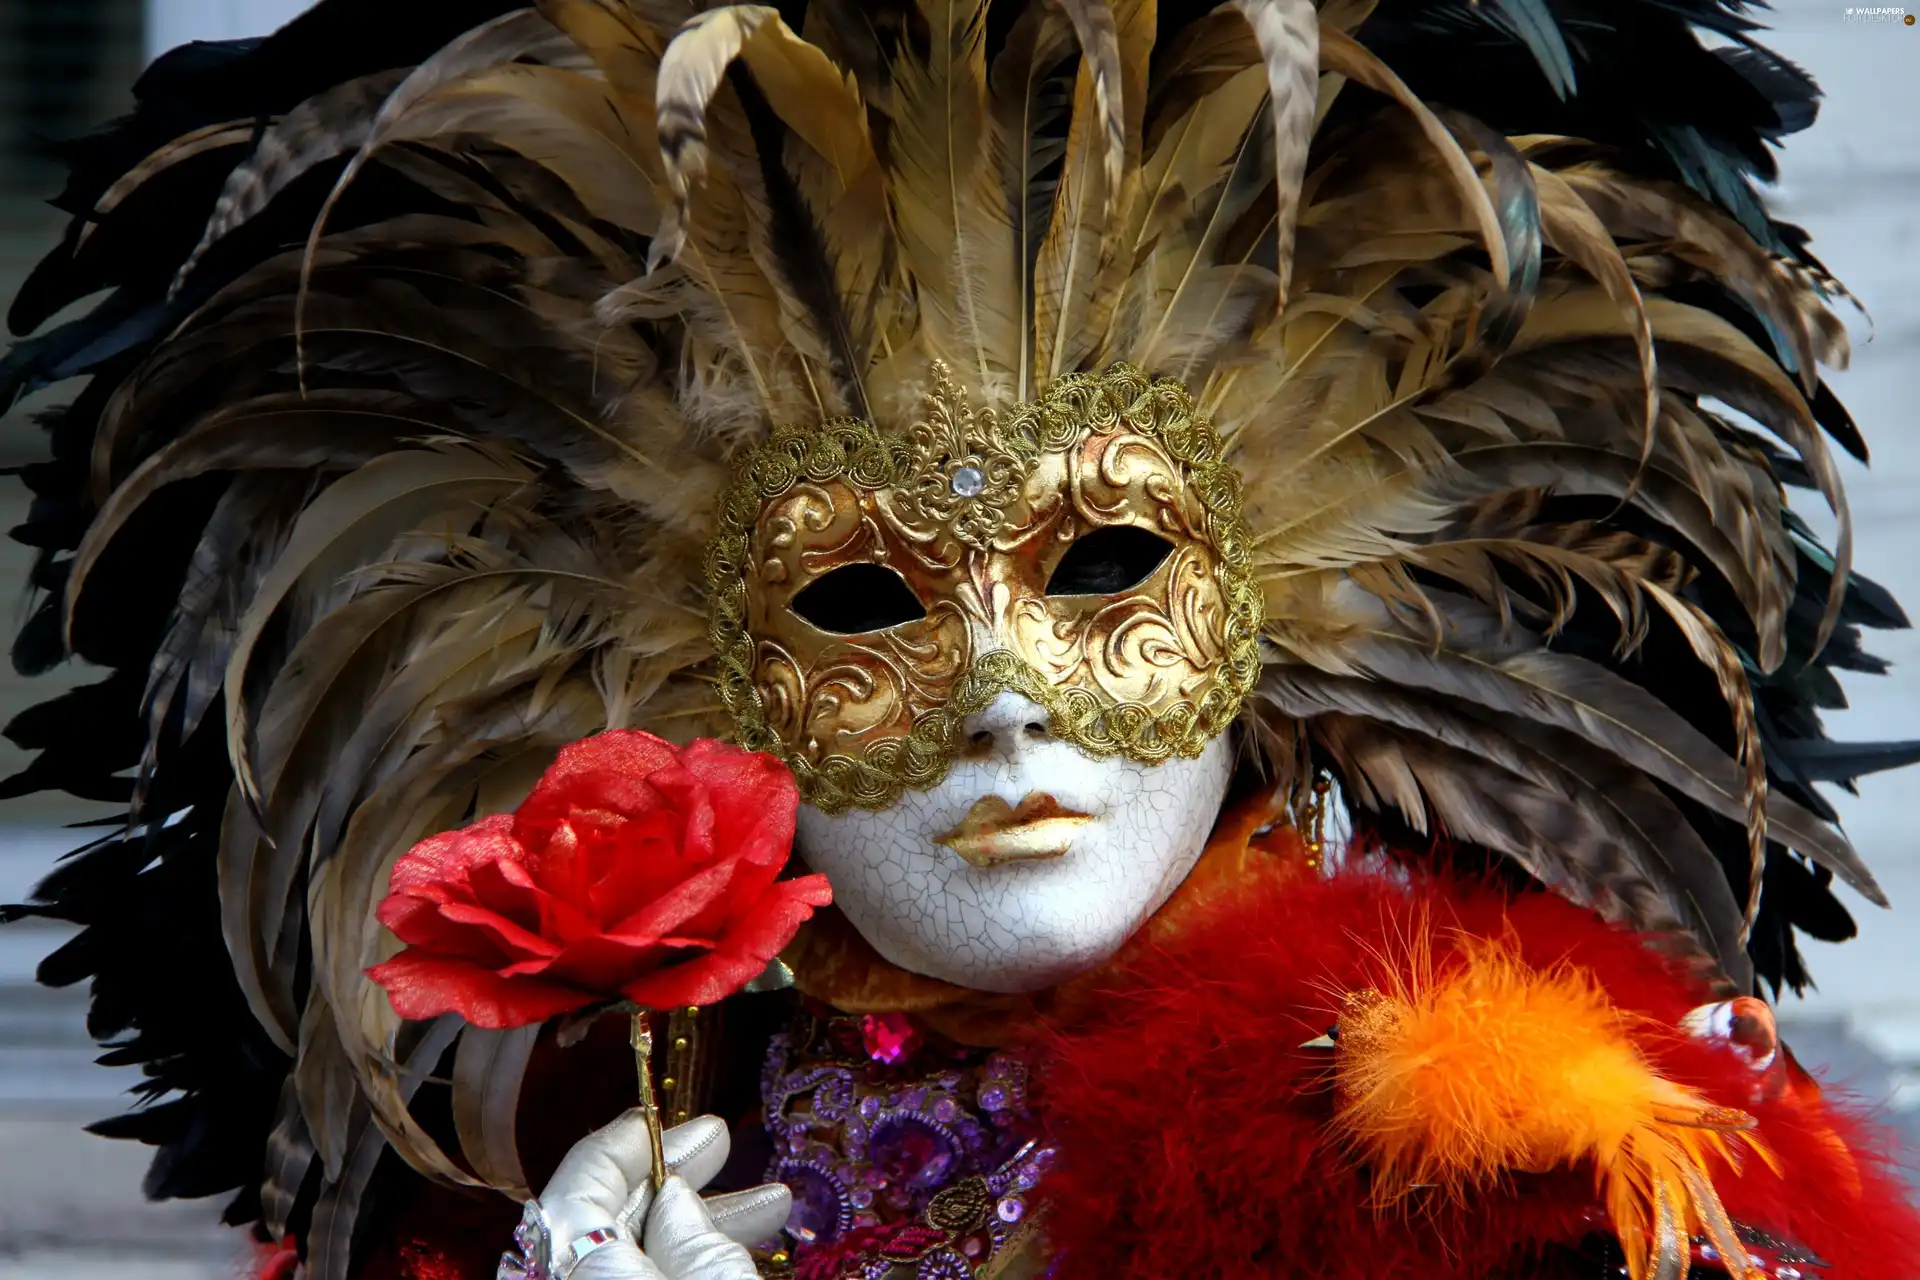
902,1150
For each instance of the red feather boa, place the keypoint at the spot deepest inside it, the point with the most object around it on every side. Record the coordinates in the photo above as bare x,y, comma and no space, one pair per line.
1192,1127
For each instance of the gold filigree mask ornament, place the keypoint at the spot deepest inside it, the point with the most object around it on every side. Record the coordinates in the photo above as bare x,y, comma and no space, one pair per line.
872,588
999,652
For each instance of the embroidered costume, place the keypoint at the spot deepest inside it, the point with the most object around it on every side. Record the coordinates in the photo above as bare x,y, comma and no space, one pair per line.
1260,532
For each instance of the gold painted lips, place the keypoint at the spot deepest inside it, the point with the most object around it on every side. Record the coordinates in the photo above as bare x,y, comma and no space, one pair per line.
995,832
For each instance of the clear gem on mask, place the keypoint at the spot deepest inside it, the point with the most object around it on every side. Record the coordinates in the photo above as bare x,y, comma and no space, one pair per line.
1010,1209
968,482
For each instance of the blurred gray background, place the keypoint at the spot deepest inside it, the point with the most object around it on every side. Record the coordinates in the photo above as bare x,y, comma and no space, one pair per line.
70,1204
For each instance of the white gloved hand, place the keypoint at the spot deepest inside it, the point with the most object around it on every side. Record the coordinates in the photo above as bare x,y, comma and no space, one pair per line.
604,1183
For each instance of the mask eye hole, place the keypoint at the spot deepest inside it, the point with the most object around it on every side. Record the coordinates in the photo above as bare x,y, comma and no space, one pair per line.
1108,561
857,598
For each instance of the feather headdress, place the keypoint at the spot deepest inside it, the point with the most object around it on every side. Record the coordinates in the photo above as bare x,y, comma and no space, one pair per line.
402,441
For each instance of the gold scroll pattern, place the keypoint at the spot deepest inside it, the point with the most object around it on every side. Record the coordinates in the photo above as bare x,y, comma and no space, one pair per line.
1151,672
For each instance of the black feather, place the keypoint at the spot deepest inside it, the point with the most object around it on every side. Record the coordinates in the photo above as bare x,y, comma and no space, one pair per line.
163,993
1640,81
1533,24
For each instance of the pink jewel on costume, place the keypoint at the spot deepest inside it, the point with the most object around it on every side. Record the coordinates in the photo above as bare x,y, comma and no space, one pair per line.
889,1036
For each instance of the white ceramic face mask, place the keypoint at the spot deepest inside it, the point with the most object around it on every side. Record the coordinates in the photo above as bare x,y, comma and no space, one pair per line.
998,906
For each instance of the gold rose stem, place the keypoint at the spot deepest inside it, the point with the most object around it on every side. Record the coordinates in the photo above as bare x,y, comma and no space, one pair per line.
643,1062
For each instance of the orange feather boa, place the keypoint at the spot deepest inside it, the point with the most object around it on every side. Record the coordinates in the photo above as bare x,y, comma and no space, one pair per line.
1506,1082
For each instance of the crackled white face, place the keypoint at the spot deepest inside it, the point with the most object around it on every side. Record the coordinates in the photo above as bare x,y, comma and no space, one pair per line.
1031,891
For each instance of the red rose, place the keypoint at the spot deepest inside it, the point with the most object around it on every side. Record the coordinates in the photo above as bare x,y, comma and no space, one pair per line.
635,871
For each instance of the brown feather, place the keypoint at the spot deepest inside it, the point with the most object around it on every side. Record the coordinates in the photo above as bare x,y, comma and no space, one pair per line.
1572,694
488,1069
1345,55
1093,24
1029,101
324,127
289,1159
350,523
1288,33
1601,835
501,40
195,142
1719,656
1080,266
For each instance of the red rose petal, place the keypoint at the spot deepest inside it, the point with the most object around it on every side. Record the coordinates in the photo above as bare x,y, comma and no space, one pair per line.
688,944
757,824
446,857
642,861
624,752
509,891
814,890
607,791
420,924
510,937
680,909
765,928
538,966
742,956
426,986
687,796
559,868
633,868
398,911
769,924
707,980
443,891
607,964
757,821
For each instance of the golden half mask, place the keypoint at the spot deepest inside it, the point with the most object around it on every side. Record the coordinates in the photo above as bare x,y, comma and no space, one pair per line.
872,588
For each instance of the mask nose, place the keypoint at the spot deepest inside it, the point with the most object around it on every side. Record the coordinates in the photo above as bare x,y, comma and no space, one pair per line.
1009,726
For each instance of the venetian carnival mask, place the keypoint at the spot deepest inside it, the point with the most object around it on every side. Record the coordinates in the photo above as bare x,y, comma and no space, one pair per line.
1000,655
